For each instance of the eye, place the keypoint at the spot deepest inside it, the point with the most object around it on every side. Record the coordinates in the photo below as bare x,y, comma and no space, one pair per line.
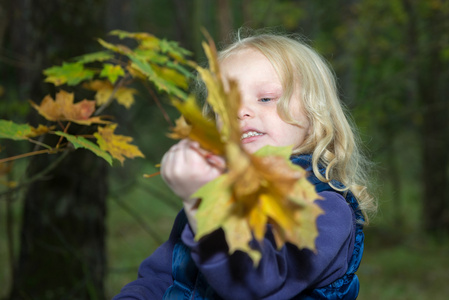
265,99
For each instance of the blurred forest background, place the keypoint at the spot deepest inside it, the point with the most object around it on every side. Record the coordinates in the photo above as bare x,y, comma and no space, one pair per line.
81,231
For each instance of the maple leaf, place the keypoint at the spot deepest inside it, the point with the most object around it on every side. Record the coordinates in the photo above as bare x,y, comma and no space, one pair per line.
95,56
135,35
258,189
14,131
139,67
63,109
193,125
117,145
123,95
171,75
121,49
81,142
70,73
112,72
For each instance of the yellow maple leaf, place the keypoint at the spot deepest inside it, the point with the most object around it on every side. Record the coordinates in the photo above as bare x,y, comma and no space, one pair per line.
171,75
125,96
104,90
117,145
193,125
63,109
258,188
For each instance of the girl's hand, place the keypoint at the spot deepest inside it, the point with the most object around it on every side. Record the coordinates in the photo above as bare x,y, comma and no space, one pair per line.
185,168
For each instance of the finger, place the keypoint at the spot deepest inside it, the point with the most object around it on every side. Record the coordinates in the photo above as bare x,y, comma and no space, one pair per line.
216,161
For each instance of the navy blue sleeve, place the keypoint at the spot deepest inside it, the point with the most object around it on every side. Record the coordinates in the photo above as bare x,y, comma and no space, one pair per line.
155,272
281,274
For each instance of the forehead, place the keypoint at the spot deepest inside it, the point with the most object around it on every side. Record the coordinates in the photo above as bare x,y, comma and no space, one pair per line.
248,64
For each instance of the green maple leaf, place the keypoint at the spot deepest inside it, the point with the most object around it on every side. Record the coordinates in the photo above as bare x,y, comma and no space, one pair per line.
70,73
81,142
112,72
121,49
151,55
173,49
14,131
95,56
159,81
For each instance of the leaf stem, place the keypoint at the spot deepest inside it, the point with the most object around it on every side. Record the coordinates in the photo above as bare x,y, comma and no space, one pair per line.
66,128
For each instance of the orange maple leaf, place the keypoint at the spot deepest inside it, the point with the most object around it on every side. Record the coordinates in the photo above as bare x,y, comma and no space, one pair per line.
63,109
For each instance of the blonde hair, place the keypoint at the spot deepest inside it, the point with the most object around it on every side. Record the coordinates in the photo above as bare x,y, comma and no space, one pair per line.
332,141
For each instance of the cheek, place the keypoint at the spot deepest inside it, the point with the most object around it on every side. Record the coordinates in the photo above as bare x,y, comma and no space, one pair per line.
298,115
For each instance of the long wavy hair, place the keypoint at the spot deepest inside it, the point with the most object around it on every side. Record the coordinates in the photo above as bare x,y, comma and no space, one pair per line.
333,141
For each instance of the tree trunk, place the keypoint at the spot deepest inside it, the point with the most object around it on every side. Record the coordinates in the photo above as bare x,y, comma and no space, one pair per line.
62,253
224,14
62,242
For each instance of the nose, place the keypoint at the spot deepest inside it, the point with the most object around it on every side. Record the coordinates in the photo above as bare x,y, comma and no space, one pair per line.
245,112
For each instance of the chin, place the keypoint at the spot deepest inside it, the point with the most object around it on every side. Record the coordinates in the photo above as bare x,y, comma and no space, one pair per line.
251,148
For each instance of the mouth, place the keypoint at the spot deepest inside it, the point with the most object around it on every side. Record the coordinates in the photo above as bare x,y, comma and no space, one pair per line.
249,134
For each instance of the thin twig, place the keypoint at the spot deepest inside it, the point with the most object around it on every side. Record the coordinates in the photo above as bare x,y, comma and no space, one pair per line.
66,128
40,144
25,155
151,175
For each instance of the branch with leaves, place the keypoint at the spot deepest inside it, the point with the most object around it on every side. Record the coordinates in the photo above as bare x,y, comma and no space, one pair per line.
109,73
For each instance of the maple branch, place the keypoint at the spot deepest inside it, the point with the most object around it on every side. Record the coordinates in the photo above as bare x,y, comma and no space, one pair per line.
159,105
24,155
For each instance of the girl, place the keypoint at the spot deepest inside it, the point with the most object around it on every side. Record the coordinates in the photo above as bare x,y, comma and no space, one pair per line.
289,97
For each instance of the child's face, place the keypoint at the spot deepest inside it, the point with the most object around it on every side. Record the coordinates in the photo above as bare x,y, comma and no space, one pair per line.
261,90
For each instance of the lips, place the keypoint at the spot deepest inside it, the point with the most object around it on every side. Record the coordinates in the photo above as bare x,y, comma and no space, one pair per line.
249,134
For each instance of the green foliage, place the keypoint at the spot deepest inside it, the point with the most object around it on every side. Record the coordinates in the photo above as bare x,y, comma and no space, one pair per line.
112,72
95,56
81,142
160,62
11,130
69,73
